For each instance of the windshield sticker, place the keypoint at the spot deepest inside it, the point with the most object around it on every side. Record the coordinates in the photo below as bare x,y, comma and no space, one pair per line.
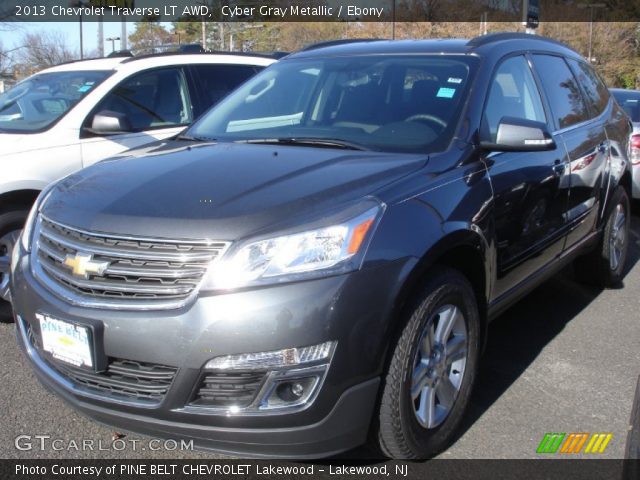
85,88
446,92
454,80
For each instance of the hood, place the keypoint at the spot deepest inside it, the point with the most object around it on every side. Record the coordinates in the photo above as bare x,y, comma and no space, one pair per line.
219,191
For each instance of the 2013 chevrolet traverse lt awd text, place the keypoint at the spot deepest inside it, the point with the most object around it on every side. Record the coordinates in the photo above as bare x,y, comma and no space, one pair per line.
316,259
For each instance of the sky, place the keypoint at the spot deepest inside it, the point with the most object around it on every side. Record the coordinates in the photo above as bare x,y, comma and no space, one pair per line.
11,37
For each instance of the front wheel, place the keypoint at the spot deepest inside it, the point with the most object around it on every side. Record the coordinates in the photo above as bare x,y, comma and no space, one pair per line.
11,224
604,266
432,370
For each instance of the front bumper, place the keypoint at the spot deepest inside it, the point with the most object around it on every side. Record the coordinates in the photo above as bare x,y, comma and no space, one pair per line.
353,310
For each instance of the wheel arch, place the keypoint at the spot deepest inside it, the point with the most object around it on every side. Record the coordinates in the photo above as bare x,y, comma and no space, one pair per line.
465,251
18,198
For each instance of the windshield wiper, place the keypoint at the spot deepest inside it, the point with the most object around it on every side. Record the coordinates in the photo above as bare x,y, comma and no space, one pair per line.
190,138
321,142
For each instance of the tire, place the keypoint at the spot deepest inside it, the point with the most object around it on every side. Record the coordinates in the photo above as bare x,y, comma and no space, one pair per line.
11,224
604,267
408,429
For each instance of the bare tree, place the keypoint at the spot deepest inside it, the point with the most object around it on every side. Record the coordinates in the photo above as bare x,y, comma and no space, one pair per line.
44,49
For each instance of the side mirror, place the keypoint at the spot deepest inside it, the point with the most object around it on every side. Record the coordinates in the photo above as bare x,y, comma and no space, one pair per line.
108,122
520,135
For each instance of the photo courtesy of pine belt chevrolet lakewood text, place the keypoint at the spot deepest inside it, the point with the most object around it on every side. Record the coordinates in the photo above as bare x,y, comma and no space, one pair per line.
313,263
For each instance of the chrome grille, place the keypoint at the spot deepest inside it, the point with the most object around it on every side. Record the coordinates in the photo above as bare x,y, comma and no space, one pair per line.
140,273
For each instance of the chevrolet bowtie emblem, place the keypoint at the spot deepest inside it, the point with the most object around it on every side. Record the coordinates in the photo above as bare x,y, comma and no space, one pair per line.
82,264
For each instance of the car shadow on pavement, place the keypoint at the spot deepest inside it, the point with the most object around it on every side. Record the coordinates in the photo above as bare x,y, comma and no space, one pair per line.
517,337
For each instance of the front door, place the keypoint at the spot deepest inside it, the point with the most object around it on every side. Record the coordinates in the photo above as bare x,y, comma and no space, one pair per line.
530,188
157,105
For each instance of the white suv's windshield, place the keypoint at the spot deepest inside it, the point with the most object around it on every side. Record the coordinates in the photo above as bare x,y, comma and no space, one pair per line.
40,100
387,103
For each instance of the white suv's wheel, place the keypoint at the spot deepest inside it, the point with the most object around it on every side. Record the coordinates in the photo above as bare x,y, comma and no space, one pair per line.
11,224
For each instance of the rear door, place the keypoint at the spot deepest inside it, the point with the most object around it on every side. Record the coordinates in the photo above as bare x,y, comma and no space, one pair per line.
530,188
580,121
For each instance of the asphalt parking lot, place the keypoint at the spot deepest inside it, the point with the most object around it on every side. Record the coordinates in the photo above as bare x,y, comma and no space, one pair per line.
565,359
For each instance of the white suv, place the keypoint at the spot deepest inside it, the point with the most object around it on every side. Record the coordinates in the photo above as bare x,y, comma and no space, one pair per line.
70,116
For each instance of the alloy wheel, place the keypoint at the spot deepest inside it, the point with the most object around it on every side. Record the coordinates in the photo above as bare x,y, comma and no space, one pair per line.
618,237
439,366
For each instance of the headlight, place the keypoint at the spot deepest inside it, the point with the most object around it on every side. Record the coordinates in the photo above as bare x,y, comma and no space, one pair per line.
322,251
27,231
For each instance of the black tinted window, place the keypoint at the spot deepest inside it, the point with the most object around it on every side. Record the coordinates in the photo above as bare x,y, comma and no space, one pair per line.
218,80
595,92
563,92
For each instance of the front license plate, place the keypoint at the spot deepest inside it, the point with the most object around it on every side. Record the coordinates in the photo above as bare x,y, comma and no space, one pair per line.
66,341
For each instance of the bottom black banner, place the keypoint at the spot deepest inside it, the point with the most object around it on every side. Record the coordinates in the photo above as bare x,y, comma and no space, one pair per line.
335,470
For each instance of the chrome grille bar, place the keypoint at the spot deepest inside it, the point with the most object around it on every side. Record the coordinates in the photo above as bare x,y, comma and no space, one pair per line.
135,273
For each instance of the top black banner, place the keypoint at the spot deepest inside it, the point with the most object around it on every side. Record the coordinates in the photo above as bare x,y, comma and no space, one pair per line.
320,10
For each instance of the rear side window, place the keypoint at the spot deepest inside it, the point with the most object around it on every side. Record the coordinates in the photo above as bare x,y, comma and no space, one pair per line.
562,90
216,81
596,93
513,93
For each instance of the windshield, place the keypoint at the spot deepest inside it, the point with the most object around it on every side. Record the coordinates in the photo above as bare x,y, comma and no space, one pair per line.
40,100
386,103
630,102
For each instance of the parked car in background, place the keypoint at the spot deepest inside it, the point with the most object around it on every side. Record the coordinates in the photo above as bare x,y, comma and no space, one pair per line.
629,100
315,261
73,115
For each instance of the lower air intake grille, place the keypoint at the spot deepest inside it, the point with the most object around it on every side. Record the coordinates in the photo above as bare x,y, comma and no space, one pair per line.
126,380
237,389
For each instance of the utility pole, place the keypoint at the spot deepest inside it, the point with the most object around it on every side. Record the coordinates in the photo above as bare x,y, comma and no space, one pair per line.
100,38
530,15
79,3
123,33
393,20
591,7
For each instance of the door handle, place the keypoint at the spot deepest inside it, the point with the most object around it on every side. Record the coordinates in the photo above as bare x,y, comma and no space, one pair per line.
603,147
558,167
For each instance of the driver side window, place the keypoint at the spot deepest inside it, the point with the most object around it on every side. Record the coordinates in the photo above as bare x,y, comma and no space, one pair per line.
513,93
153,99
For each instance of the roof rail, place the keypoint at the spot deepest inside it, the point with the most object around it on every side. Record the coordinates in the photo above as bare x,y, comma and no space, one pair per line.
120,53
502,36
75,60
331,43
275,55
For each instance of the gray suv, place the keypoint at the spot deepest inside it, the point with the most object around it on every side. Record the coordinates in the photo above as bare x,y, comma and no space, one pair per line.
317,258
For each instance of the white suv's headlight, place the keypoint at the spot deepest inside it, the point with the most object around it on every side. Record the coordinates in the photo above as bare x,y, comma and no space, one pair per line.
322,251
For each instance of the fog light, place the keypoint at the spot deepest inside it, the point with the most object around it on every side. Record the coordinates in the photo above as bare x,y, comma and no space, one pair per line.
297,390
288,357
287,393
290,391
